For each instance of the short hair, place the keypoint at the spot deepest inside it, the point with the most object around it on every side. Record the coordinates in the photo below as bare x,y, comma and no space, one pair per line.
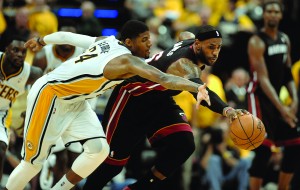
11,38
132,29
206,32
268,2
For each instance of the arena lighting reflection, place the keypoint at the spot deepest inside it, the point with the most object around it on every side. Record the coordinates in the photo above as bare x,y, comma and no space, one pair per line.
99,13
109,32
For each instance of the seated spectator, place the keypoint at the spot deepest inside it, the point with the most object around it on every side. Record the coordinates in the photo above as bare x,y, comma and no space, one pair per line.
221,165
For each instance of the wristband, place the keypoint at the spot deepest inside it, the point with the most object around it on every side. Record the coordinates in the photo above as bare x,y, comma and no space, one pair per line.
39,42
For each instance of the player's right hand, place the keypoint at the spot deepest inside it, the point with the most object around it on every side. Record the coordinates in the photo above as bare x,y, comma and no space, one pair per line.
33,44
289,116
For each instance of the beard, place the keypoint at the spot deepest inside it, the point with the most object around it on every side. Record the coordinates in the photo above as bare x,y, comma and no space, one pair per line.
272,24
200,57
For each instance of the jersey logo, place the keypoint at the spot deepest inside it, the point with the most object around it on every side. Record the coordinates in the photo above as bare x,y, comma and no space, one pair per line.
183,116
175,47
104,46
29,145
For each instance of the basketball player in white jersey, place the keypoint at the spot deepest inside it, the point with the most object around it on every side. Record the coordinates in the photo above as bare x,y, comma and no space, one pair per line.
49,58
16,74
56,106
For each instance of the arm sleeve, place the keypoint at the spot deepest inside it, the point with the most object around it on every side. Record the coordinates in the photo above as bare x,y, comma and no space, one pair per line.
70,38
217,104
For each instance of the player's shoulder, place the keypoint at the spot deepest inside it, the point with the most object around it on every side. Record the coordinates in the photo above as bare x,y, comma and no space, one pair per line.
256,40
284,36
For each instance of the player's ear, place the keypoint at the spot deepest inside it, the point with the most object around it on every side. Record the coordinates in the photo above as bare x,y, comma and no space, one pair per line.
128,42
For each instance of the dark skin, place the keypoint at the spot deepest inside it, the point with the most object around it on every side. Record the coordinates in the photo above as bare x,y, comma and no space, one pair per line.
256,47
13,62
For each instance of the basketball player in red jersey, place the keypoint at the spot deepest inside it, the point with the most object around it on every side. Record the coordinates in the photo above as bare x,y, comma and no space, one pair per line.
139,108
270,61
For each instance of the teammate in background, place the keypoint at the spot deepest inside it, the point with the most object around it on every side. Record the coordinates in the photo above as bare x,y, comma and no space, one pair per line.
50,57
58,99
269,54
138,108
15,74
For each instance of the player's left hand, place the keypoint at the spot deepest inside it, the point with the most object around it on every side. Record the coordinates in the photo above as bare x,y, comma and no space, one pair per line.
33,44
202,95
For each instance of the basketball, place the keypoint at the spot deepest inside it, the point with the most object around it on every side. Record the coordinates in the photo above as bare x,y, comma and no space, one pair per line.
247,132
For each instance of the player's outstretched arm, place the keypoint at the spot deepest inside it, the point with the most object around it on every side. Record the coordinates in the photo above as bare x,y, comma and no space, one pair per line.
79,40
169,81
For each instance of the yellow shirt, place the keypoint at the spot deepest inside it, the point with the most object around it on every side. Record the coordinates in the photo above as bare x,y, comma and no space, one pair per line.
295,72
186,101
168,8
2,23
204,116
43,23
217,10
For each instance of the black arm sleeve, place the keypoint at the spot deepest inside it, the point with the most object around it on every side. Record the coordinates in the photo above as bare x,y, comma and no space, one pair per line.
217,104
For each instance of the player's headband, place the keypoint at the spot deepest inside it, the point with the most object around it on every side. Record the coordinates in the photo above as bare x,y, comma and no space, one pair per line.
209,35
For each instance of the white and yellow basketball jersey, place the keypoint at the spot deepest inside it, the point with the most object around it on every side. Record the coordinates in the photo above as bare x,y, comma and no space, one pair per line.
53,60
13,85
82,77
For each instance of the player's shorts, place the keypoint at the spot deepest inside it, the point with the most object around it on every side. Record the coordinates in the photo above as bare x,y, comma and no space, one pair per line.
75,147
129,119
277,129
49,118
3,129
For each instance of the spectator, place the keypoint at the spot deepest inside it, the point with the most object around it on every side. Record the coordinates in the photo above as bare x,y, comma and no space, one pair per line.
236,89
222,166
41,20
18,27
88,23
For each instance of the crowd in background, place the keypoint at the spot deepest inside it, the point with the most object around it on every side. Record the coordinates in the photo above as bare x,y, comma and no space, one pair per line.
237,20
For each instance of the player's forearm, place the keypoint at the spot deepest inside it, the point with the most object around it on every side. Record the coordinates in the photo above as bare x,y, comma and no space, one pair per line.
293,92
70,38
178,83
270,92
217,104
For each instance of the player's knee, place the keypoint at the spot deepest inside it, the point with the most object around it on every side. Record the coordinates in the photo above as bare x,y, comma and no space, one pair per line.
95,148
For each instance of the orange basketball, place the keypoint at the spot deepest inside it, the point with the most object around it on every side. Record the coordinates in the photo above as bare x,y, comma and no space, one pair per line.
247,132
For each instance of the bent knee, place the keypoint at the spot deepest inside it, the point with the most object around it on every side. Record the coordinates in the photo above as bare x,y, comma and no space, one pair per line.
96,146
